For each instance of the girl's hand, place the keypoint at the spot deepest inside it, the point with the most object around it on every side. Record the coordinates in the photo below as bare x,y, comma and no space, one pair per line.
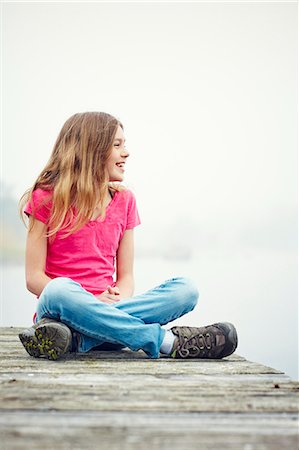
113,290
110,296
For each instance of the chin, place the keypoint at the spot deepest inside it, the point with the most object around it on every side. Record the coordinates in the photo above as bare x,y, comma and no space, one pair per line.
116,178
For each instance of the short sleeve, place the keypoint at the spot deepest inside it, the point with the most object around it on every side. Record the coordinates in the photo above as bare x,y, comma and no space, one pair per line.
133,218
40,205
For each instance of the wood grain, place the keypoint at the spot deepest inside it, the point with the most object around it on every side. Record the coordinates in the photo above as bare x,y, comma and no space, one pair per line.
125,400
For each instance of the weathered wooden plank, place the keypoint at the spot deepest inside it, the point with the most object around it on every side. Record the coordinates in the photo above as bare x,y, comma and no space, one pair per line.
128,399
155,431
113,392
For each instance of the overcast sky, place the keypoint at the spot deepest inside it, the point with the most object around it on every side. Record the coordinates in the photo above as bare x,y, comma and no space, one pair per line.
207,93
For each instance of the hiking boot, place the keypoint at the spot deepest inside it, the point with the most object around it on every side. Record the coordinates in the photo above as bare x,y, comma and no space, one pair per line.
47,338
213,341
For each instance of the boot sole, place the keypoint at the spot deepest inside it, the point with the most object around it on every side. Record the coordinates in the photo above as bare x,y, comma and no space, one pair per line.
49,341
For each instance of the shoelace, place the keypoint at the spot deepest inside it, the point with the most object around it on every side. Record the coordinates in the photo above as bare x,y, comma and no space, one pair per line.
195,345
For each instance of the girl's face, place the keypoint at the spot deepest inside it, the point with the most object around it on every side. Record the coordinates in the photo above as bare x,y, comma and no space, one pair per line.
116,161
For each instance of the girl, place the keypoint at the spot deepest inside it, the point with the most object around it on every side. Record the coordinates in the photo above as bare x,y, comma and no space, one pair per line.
81,223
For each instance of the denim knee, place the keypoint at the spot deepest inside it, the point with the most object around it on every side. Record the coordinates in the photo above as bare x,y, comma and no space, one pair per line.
187,290
53,294
57,287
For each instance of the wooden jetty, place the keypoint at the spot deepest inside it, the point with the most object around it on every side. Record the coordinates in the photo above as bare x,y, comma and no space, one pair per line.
125,400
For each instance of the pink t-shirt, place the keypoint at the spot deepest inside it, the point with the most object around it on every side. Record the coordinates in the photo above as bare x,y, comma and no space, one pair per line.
88,255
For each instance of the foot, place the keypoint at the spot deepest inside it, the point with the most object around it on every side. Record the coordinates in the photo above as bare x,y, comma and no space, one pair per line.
47,338
213,341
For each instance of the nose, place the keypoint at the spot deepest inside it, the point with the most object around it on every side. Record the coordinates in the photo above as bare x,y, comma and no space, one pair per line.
125,153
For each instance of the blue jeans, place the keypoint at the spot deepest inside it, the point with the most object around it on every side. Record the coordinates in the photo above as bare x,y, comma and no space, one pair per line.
133,322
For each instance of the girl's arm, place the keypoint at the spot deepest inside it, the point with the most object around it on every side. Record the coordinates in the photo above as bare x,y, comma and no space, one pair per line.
124,265
36,252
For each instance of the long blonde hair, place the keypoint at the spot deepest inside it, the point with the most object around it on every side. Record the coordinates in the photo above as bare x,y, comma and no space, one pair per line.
76,172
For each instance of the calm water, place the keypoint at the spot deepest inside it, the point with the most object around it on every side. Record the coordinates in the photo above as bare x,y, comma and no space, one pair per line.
258,293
